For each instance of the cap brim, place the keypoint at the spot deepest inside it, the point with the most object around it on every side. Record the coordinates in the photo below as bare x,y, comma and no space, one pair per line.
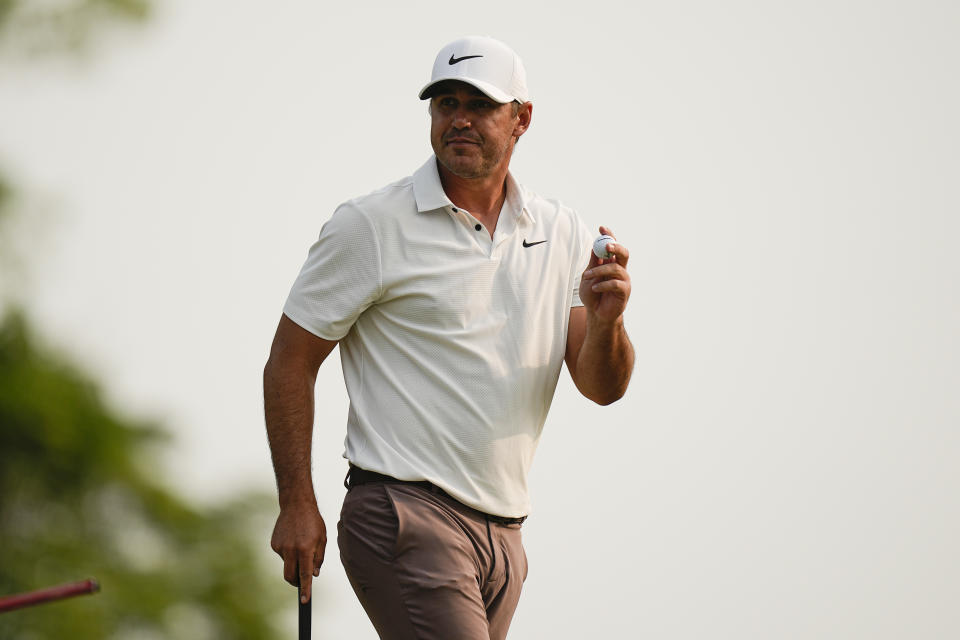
488,89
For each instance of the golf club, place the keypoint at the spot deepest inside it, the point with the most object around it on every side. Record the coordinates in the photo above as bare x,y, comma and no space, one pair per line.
305,608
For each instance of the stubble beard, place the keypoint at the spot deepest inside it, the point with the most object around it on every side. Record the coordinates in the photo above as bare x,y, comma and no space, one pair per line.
469,170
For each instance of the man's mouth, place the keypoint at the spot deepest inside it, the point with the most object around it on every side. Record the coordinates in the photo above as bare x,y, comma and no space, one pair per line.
462,140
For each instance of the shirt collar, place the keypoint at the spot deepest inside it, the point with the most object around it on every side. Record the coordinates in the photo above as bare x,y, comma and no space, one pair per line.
429,194
427,188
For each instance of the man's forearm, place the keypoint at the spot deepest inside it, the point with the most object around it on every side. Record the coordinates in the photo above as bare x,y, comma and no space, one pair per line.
288,409
605,361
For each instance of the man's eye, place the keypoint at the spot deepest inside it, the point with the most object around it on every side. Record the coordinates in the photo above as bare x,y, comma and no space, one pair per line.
480,105
448,102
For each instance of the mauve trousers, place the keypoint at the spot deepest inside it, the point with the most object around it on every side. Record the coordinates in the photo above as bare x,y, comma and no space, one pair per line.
426,567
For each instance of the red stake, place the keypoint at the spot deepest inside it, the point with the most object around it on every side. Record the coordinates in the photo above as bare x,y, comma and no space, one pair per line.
59,592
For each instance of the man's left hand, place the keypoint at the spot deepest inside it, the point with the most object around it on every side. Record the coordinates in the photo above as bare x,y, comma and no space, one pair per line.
605,284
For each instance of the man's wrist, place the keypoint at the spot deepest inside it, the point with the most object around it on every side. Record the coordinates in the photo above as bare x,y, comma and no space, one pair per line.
294,498
600,326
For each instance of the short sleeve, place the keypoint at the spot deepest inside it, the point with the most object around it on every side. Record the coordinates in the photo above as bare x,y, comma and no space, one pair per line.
340,278
583,245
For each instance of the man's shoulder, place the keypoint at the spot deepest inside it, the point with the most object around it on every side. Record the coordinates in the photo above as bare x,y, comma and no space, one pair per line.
386,200
538,202
548,210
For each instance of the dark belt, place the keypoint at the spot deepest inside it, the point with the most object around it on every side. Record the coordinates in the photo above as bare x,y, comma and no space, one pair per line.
357,476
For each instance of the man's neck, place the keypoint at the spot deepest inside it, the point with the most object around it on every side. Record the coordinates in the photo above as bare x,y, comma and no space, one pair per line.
482,197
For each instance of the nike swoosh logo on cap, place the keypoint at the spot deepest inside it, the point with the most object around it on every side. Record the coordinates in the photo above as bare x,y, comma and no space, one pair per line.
530,244
454,60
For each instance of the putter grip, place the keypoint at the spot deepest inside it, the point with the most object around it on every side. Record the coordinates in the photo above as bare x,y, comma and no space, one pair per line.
305,610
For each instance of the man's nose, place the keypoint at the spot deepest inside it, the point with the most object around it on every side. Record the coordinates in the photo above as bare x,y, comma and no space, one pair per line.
461,119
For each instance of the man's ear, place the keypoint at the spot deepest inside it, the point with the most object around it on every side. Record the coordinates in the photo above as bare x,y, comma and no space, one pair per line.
524,116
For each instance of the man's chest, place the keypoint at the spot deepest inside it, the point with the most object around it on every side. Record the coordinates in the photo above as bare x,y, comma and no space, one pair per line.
451,284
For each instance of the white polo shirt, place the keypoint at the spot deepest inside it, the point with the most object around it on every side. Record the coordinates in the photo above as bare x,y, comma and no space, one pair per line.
451,342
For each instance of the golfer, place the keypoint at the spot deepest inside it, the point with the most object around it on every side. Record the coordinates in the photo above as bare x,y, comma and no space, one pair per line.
455,295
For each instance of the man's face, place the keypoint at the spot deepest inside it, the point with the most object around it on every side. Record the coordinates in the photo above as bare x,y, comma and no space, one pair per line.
471,134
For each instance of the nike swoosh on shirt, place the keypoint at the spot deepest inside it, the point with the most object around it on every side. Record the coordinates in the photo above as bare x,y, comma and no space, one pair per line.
530,244
454,60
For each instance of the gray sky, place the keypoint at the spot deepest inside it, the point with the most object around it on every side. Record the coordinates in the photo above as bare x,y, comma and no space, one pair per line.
785,464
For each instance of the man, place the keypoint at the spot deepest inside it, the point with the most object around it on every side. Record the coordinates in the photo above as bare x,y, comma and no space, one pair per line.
455,295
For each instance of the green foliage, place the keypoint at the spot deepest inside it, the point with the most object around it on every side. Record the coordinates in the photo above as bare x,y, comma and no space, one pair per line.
5,193
56,26
78,498
79,494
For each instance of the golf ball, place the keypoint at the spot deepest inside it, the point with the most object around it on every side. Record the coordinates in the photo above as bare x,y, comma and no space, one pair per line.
600,246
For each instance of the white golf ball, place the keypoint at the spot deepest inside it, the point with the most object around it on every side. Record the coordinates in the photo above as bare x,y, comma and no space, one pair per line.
600,246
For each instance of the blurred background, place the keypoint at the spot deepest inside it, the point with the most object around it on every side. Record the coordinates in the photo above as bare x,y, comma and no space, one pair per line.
785,174
83,486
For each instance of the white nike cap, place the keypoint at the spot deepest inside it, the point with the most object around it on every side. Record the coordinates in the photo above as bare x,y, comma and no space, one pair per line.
485,63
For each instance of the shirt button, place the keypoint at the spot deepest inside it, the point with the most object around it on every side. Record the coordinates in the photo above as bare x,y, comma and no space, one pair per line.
478,227
455,209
